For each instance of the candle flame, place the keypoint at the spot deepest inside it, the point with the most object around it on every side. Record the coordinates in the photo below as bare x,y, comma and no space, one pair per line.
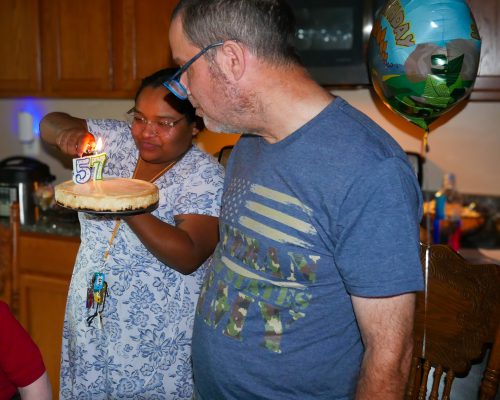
98,146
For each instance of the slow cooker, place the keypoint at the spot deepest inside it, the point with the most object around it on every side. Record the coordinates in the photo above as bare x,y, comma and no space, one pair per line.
19,178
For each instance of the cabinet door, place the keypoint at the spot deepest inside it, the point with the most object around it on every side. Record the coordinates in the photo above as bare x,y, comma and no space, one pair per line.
42,304
77,47
141,40
20,69
45,268
487,16
5,263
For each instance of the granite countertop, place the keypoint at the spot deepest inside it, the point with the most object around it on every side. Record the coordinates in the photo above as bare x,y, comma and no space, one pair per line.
64,222
54,228
56,221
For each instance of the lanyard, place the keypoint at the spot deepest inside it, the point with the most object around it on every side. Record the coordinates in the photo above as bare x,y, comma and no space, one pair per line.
98,287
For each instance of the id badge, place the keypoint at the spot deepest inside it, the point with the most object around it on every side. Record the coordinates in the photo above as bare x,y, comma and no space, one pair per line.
98,281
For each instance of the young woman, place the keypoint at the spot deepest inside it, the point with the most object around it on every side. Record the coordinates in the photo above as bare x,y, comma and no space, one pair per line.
141,346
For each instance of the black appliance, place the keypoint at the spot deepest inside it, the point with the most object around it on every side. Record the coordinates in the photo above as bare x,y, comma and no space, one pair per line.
417,162
332,38
19,178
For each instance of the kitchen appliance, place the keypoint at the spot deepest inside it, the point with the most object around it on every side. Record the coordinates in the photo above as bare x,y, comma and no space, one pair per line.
332,38
417,162
19,179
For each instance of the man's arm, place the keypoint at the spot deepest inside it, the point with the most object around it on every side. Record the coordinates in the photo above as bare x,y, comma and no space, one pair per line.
386,326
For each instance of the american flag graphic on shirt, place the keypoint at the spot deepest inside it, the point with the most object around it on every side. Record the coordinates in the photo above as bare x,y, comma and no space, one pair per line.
261,266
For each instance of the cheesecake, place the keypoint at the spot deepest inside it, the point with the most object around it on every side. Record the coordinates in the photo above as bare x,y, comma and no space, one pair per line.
108,195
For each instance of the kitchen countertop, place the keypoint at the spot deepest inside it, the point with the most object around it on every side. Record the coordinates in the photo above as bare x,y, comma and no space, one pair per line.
481,245
486,235
53,228
55,222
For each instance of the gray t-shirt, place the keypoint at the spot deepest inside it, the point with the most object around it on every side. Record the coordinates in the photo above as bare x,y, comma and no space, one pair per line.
329,212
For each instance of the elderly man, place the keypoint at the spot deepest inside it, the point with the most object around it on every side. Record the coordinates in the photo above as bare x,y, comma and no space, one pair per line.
310,292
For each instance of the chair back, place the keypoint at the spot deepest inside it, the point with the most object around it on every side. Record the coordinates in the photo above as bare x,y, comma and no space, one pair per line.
223,155
457,317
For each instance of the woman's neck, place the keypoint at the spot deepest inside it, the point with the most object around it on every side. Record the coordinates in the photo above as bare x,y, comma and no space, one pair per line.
148,171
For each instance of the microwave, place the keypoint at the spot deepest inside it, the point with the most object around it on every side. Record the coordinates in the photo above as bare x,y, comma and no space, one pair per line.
331,39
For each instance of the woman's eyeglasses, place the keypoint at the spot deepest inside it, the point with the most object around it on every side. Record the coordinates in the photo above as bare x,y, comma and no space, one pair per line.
160,126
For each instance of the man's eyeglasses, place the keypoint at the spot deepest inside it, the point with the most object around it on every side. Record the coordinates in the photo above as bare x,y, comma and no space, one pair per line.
174,83
160,126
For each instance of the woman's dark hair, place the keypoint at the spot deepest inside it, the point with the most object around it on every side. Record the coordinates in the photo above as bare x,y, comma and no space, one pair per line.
183,107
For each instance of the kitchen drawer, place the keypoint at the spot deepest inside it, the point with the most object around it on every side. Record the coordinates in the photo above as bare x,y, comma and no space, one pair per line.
52,255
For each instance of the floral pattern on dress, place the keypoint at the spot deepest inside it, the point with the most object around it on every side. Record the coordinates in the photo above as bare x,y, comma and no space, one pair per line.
143,350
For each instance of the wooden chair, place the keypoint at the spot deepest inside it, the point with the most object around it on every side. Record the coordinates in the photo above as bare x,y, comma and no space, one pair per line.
457,317
9,284
223,155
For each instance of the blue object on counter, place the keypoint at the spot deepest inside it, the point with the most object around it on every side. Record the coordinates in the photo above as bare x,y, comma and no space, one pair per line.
436,231
440,205
440,214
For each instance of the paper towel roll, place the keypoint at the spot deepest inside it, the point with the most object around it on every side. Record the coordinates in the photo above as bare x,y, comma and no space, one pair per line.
25,123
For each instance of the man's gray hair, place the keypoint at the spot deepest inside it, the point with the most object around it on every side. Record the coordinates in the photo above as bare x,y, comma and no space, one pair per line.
265,27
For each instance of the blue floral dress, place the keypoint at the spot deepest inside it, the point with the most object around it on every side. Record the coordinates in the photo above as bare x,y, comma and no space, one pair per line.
143,350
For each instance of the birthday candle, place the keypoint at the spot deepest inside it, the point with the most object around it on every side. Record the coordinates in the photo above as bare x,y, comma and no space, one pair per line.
97,164
85,168
81,170
97,161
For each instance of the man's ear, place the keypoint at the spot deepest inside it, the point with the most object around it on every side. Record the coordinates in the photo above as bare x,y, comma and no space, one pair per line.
234,61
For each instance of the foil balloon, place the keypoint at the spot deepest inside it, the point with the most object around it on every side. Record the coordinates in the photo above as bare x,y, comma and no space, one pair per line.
423,57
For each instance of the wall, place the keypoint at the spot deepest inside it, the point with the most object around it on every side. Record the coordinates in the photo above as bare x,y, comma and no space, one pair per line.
464,141
59,166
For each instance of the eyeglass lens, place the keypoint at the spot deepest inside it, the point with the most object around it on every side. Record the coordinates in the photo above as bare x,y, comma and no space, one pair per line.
174,83
177,89
157,126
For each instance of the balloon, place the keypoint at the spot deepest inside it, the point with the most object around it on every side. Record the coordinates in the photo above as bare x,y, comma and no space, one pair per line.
423,57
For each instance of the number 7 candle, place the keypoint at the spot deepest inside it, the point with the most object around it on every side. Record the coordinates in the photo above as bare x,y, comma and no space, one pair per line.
85,168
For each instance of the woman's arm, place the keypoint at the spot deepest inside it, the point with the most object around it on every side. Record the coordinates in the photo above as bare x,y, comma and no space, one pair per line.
68,133
185,246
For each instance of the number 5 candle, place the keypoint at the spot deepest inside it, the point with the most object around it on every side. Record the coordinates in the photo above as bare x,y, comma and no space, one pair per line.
85,168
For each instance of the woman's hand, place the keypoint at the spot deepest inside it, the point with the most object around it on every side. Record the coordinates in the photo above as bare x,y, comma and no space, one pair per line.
68,133
75,141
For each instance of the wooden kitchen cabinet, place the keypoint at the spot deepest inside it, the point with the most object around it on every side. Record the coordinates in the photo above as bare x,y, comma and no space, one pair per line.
20,69
45,265
141,40
77,45
82,49
487,16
